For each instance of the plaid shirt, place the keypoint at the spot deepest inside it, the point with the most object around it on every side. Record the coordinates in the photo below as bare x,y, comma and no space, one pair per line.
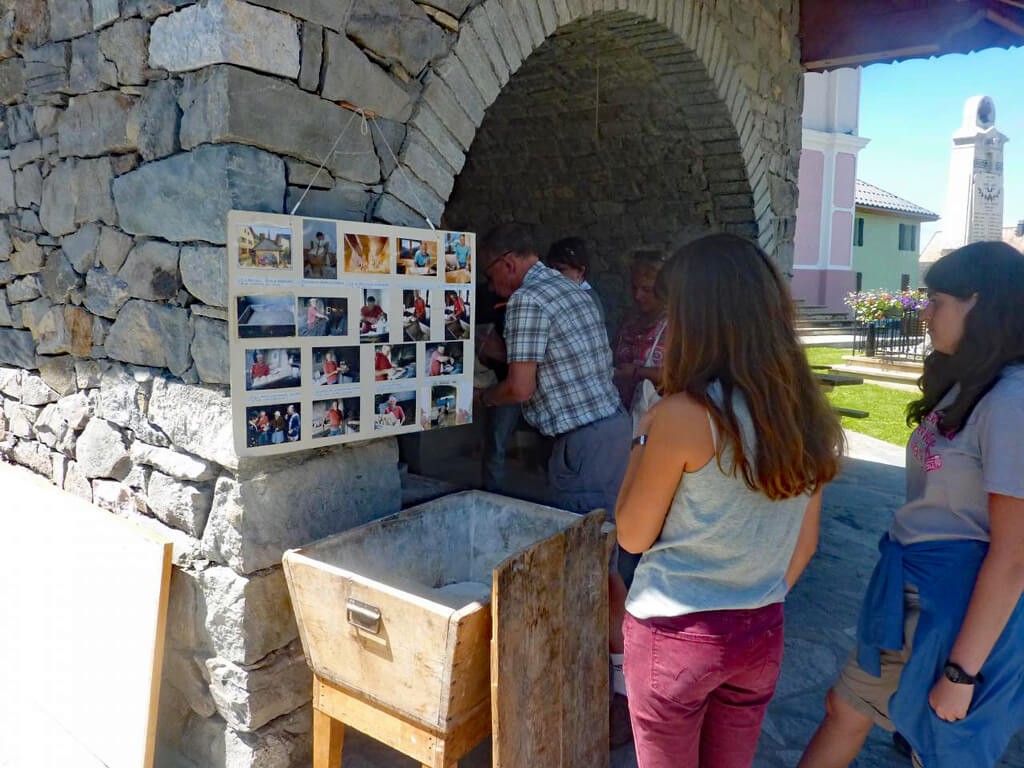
553,322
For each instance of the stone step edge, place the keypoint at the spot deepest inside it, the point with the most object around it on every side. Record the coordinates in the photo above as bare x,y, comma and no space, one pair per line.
876,363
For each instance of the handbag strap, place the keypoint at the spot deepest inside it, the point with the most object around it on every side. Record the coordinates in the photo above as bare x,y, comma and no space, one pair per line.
650,353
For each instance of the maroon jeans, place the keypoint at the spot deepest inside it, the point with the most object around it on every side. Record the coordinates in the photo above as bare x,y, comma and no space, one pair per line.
699,685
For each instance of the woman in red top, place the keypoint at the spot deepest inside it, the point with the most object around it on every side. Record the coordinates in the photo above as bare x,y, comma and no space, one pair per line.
640,344
382,363
330,368
259,368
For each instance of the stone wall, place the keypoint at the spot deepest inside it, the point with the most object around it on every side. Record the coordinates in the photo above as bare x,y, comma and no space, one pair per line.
130,128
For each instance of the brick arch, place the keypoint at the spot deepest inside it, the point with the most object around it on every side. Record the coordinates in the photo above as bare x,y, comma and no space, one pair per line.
496,39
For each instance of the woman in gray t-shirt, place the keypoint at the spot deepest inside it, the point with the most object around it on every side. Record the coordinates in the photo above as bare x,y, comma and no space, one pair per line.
951,574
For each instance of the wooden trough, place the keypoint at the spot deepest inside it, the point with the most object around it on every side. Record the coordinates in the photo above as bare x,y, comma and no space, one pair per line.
404,620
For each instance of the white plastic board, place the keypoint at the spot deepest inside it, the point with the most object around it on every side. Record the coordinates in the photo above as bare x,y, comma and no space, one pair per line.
84,597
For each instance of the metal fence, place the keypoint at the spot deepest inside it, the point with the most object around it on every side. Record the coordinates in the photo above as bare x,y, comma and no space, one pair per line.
894,338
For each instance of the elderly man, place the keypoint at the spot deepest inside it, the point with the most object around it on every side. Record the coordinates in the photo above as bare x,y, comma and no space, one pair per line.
559,369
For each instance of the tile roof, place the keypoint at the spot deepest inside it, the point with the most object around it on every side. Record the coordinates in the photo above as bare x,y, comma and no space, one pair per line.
870,196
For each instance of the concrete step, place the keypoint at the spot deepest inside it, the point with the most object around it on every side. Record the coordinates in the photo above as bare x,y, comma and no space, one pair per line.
827,330
914,367
901,380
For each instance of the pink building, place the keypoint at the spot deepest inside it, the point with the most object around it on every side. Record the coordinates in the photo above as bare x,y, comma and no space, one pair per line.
822,265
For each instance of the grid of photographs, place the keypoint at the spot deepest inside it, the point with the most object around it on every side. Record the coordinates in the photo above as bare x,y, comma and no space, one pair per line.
343,331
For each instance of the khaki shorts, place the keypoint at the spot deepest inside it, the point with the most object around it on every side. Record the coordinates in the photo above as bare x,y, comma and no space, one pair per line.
868,694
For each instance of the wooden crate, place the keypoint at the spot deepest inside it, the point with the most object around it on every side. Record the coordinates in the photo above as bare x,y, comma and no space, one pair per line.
428,659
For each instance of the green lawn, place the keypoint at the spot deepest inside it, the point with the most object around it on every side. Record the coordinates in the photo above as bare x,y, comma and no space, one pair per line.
886,406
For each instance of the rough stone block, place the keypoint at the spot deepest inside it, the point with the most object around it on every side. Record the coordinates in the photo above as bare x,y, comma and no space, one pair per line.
312,56
249,697
115,497
50,428
123,400
204,272
302,174
33,455
227,104
397,30
79,324
58,373
327,13
210,350
26,153
390,210
159,119
76,482
151,334
27,257
80,247
480,22
454,73
439,97
88,373
89,70
25,289
47,68
266,510
151,271
423,160
225,32
471,53
196,419
51,332
28,186
346,201
8,201
388,137
173,463
59,277
12,80
98,124
180,505
33,312
75,407
77,191
125,45
69,18
453,7
350,76
104,12
20,418
246,617
187,196
35,391
417,195
105,294
102,451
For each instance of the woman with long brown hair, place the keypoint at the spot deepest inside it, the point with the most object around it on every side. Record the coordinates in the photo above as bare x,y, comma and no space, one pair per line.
940,641
723,497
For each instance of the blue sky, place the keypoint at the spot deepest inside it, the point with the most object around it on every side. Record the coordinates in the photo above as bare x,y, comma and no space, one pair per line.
910,111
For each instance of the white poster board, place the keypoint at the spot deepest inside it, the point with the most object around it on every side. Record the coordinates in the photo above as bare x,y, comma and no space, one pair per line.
342,331
85,597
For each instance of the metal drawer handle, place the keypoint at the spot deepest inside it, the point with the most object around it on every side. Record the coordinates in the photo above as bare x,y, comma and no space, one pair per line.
363,616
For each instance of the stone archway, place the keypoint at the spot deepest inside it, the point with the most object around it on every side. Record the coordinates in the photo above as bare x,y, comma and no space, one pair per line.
736,110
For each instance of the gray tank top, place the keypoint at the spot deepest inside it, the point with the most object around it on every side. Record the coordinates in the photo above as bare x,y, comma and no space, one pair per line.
723,546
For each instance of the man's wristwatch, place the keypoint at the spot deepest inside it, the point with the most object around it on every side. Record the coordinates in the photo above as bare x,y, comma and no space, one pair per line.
956,674
639,440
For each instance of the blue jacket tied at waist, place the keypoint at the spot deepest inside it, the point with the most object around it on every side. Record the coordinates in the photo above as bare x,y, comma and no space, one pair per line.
944,572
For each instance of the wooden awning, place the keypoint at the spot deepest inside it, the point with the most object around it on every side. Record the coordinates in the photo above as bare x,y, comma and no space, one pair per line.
838,33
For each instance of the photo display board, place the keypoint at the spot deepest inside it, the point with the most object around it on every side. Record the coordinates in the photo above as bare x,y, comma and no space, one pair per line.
343,331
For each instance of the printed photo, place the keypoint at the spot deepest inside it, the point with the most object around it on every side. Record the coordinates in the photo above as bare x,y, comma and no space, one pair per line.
394,361
272,369
266,316
335,365
264,246
373,320
367,254
339,416
319,250
273,424
416,315
443,407
394,409
444,359
458,258
322,316
457,322
417,257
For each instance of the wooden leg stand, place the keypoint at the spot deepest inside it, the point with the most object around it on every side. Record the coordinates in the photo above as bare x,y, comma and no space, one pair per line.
335,708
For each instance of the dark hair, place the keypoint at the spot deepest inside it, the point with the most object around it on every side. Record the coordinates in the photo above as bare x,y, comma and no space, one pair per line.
993,329
571,251
511,237
731,319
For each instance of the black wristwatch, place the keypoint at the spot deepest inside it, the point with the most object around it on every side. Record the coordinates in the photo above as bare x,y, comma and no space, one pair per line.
955,674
